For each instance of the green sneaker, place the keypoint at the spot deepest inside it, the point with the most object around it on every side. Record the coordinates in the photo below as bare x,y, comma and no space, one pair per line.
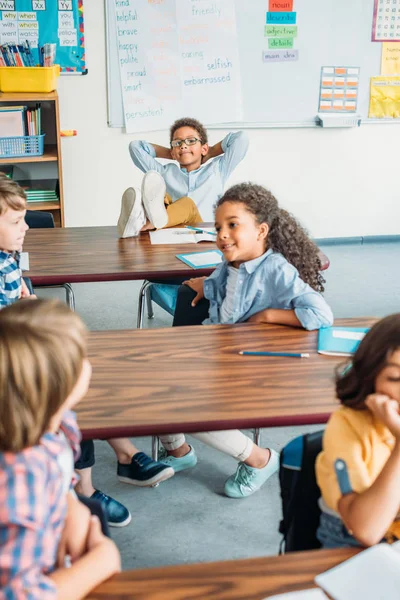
178,464
248,480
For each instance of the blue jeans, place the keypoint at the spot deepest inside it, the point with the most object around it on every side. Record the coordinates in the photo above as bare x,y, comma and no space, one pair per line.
333,534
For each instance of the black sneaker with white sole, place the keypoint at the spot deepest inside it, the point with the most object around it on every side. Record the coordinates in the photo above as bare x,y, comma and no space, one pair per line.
143,471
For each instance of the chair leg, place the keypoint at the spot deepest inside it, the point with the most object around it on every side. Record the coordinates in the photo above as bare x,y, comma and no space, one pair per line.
70,296
257,436
150,311
141,306
154,447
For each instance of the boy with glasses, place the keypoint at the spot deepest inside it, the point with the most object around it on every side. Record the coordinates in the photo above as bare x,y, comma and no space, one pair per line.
182,194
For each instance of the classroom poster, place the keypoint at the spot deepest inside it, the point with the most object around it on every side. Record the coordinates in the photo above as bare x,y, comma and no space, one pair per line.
386,21
385,98
281,32
178,58
339,89
390,64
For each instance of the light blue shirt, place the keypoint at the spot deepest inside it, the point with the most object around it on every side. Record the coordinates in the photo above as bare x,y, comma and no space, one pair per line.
268,281
206,184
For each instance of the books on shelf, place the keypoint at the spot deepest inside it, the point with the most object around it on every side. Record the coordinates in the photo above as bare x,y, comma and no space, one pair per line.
340,341
18,121
41,190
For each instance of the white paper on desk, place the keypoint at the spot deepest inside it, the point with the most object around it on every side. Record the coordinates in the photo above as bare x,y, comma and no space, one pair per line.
310,594
24,261
371,575
179,236
203,259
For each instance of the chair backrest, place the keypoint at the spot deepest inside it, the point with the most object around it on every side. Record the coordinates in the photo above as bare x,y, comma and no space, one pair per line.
300,493
36,219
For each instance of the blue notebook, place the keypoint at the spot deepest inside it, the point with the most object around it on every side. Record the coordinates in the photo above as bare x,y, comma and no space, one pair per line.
201,260
340,341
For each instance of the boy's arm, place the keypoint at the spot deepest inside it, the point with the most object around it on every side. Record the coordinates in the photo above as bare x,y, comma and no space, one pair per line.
233,149
75,532
144,156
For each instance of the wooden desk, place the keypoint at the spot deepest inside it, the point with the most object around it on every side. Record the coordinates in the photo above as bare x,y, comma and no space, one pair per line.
188,379
87,254
250,579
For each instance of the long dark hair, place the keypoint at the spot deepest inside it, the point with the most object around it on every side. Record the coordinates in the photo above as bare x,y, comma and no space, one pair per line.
285,235
356,380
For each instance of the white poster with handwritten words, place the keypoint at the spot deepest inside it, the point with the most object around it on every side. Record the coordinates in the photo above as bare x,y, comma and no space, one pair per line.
178,58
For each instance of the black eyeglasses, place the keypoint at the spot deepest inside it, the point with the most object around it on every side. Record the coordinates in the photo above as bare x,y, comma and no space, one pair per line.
188,142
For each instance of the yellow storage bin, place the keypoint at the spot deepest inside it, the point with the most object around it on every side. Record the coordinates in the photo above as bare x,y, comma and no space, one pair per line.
29,79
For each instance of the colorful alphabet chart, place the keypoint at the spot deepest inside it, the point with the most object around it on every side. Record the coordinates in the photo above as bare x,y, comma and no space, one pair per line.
339,89
386,22
281,31
42,22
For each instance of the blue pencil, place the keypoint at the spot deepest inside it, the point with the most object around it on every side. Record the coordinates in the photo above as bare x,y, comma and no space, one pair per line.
200,230
290,354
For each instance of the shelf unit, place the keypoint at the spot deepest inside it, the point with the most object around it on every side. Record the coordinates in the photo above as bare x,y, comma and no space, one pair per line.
52,148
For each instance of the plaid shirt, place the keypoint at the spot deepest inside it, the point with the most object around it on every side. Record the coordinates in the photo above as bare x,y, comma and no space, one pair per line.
33,509
10,278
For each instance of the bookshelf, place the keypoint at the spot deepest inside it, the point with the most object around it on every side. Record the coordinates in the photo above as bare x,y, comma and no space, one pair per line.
49,165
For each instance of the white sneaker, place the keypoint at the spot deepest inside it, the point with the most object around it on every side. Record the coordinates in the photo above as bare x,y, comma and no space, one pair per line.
153,194
132,217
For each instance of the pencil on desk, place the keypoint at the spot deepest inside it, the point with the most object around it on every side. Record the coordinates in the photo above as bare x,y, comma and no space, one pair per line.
290,354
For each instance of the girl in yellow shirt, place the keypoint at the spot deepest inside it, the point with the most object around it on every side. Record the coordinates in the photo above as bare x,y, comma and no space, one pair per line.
358,470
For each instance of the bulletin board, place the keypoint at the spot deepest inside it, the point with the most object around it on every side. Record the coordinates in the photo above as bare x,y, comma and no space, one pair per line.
47,22
283,91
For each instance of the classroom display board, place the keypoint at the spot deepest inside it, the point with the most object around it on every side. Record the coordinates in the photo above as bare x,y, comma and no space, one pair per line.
263,59
42,22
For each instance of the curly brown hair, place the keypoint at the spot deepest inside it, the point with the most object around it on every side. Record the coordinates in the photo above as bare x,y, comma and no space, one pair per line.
285,235
189,122
356,380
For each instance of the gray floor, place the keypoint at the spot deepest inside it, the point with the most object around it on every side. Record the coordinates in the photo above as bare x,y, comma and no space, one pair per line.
188,519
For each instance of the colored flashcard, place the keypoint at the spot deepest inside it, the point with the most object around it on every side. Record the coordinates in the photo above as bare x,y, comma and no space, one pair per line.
386,21
390,64
280,43
280,5
339,89
280,55
280,31
385,98
281,18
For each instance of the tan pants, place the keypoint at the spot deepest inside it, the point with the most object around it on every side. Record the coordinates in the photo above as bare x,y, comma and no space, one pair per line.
232,442
181,212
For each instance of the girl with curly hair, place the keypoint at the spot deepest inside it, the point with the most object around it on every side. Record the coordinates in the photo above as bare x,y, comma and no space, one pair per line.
270,275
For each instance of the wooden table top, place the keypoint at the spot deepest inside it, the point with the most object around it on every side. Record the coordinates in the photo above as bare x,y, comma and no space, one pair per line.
87,254
249,579
188,379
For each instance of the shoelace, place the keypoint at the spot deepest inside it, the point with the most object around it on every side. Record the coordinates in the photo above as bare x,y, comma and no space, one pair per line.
244,474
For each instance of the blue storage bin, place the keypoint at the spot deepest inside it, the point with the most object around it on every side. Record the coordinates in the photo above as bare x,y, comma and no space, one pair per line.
26,145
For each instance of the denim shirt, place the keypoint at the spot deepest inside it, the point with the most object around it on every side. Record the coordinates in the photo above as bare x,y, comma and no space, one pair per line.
206,184
268,281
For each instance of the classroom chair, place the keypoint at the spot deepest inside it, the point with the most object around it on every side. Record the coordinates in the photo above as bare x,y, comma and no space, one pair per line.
163,294
37,219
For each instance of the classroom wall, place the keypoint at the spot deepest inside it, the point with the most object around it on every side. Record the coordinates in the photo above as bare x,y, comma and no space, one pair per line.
341,182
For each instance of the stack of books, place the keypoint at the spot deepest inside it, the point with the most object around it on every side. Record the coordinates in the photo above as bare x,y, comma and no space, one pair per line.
18,121
41,190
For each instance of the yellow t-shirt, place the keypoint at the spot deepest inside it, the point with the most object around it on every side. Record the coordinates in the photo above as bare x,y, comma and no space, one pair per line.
364,444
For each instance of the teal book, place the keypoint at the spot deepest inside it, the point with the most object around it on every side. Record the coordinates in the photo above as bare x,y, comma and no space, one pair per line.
201,260
340,341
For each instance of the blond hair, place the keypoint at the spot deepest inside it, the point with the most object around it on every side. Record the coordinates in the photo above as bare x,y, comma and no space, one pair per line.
42,348
11,195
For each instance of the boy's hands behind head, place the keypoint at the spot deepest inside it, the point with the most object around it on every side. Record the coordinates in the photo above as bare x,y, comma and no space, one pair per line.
196,284
385,410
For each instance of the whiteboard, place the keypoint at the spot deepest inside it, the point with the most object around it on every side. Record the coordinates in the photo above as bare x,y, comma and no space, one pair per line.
330,33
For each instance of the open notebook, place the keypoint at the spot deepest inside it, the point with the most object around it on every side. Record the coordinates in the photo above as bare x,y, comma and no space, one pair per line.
340,341
182,235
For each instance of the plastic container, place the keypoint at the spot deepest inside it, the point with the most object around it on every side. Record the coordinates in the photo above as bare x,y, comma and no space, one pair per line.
29,79
27,145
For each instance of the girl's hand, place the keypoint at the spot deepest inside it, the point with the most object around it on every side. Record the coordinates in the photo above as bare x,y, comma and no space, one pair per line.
386,410
197,284
97,540
73,538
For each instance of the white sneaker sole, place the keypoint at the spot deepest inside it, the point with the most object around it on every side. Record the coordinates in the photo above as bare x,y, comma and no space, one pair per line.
163,476
153,194
132,217
122,524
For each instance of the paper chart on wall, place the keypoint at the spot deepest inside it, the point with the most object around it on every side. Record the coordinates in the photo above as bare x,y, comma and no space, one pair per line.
281,32
385,98
173,54
386,21
390,64
339,89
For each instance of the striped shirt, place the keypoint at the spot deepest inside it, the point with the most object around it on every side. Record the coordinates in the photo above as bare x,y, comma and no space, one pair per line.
10,278
33,507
